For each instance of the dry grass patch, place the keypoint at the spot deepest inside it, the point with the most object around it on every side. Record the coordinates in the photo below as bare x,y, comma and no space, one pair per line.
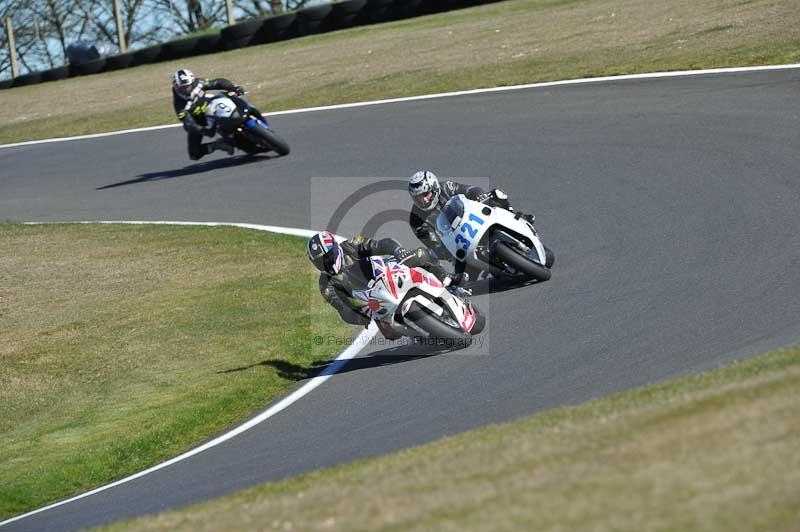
515,41
716,452
115,342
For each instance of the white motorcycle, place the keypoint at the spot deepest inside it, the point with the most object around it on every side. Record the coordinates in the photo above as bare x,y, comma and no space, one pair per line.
493,239
414,303
241,124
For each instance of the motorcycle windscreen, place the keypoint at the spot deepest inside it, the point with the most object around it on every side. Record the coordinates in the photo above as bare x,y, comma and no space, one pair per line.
451,216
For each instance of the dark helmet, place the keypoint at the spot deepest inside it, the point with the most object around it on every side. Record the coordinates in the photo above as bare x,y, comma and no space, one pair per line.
424,189
183,81
326,254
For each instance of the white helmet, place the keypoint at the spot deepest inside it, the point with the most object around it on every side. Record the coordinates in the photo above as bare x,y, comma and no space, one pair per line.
183,82
424,189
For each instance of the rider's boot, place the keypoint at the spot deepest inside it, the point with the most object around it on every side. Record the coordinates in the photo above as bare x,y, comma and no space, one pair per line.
220,145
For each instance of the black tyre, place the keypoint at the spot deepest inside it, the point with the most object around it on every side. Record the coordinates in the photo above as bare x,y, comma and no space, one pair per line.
312,20
378,11
243,42
480,321
242,29
208,44
443,333
90,67
56,73
28,79
147,55
549,256
180,48
406,9
347,14
521,263
269,138
277,28
117,62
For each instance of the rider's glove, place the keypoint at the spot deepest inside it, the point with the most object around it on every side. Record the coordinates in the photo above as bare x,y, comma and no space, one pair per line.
402,254
239,90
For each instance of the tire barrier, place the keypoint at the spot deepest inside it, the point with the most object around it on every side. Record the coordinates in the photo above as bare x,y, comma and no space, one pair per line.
378,11
240,35
116,62
53,74
209,44
147,55
346,14
407,9
85,69
308,21
180,48
311,19
28,79
274,29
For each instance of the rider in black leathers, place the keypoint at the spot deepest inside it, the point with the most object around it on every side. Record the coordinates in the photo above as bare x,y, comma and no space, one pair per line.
430,197
188,102
345,267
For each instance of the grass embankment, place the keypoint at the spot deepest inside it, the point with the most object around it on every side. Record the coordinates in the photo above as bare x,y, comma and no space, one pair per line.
510,42
121,346
715,451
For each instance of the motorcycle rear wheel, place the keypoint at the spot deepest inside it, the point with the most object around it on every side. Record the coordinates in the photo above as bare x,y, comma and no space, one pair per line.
522,263
438,330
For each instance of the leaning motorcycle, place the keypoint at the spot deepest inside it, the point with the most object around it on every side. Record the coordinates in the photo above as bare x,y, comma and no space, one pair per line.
242,125
414,303
494,240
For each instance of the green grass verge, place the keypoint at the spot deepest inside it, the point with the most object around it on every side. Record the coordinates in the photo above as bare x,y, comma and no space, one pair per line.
714,451
121,346
505,43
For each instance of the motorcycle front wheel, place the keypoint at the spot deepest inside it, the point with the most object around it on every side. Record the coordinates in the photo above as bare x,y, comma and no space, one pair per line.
439,331
522,263
271,140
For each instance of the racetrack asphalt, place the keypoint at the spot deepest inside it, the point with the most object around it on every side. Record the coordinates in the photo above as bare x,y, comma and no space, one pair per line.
672,205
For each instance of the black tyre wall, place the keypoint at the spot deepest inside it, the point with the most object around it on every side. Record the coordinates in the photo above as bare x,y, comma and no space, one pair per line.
378,11
90,67
180,48
28,79
347,14
240,34
209,44
56,73
406,9
147,55
313,19
277,28
116,62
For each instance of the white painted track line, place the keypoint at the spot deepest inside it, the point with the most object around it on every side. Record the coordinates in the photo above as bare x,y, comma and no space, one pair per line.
650,75
360,341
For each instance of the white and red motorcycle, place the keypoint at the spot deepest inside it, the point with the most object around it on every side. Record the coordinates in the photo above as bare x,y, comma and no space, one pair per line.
414,303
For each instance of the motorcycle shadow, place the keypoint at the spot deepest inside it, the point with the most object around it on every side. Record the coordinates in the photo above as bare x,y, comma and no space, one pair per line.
387,357
494,286
192,169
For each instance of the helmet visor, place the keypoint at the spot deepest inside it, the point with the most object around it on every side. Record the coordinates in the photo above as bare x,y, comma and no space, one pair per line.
184,90
330,262
424,200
